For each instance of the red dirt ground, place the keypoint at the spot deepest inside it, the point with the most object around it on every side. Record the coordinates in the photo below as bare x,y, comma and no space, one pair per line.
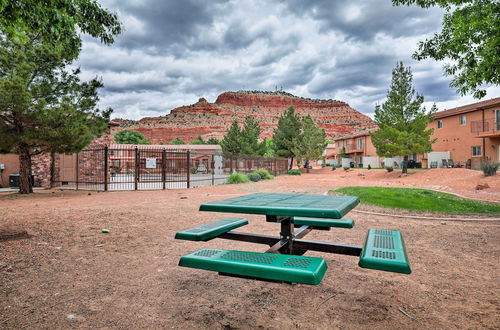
70,275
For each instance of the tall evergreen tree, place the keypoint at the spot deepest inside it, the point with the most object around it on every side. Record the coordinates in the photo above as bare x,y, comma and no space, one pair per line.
288,128
177,141
231,143
213,141
402,120
310,143
198,140
270,149
128,136
44,107
249,139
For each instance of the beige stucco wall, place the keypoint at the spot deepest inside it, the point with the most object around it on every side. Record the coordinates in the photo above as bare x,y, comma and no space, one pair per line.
459,139
11,163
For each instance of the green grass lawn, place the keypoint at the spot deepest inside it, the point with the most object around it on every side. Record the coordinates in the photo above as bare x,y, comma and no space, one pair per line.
419,200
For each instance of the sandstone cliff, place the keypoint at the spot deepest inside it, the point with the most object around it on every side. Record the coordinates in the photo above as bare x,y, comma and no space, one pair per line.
213,119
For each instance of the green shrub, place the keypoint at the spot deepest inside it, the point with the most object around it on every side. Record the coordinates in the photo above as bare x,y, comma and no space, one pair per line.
490,168
264,174
346,168
237,178
369,167
294,172
254,177
193,170
389,168
333,168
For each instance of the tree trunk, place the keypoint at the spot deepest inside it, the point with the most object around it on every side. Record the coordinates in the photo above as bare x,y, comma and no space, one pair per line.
24,172
405,164
291,163
307,166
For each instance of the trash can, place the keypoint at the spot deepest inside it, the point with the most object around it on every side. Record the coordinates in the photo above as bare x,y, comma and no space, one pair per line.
15,180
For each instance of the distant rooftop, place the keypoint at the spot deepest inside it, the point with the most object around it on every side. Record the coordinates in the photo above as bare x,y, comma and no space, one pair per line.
468,108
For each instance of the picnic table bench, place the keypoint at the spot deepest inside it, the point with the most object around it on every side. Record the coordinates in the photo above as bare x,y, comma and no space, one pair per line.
285,261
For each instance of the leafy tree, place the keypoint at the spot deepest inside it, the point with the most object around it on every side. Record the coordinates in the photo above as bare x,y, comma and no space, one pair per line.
310,143
269,148
58,23
198,140
469,38
213,141
343,153
249,138
402,120
43,108
177,141
128,136
288,129
231,143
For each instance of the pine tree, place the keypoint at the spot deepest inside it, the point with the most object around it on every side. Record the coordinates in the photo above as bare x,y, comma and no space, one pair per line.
402,120
213,141
177,141
249,139
127,136
43,107
231,143
310,143
198,140
288,129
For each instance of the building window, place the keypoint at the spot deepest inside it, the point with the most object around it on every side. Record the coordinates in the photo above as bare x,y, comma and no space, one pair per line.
476,151
463,120
440,124
339,144
360,143
347,143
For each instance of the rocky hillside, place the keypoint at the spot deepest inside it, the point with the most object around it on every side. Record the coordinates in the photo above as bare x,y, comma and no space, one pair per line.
213,119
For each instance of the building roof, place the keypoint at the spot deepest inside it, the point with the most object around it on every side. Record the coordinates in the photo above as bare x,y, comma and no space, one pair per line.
468,108
356,134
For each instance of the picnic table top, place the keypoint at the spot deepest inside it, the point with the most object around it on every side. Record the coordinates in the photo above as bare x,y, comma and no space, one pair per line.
320,206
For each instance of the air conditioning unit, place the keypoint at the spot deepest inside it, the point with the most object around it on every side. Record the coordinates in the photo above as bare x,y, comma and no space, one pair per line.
15,180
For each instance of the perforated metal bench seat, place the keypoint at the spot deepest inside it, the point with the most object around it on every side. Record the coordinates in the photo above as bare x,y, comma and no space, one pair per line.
211,230
324,222
278,267
385,250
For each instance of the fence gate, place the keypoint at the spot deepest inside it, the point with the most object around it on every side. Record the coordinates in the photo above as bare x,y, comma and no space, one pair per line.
149,168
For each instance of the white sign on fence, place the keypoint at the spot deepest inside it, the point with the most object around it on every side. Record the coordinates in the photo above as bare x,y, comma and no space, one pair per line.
150,162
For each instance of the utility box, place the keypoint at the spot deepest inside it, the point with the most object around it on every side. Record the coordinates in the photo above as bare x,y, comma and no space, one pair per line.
15,180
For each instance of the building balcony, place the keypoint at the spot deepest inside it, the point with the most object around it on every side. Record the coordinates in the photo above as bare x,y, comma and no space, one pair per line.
486,128
353,149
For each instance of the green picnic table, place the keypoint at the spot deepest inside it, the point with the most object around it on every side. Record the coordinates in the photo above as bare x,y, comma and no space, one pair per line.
297,215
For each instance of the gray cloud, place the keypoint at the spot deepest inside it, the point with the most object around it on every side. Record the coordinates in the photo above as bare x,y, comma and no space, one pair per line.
173,52
363,20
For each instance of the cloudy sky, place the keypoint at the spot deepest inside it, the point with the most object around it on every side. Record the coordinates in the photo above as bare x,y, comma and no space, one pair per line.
173,52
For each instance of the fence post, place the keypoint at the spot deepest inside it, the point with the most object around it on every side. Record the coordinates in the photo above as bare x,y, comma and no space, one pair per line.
106,168
212,165
52,169
77,169
188,160
163,167
275,167
136,171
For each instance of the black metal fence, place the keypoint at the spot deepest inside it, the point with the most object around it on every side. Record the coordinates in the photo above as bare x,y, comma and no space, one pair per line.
145,169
